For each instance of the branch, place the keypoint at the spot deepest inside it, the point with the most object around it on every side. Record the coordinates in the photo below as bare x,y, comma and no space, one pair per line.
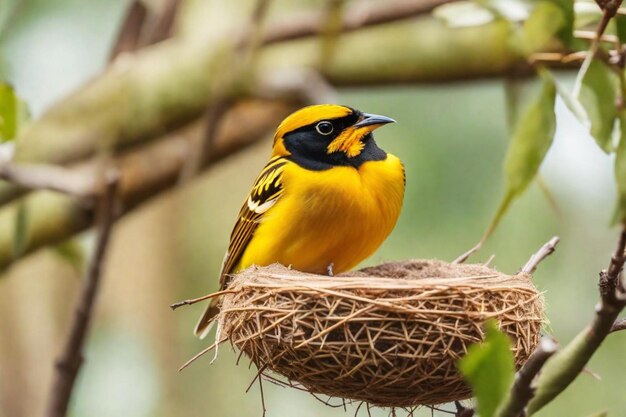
561,370
462,411
356,17
167,85
545,251
144,172
70,361
49,177
143,26
522,390
619,325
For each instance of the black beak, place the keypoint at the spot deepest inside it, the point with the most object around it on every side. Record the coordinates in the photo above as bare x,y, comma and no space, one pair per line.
373,119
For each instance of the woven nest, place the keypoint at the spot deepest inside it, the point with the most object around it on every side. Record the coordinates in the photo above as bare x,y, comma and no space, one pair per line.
389,335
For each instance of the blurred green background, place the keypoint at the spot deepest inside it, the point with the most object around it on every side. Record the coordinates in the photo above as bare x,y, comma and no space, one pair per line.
452,139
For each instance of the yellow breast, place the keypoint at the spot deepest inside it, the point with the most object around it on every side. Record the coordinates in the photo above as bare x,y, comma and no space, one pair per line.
339,216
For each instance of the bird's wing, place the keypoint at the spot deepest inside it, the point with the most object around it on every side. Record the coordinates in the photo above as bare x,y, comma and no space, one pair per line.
266,191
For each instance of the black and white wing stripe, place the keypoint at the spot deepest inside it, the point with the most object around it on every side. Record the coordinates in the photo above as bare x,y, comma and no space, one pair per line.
265,193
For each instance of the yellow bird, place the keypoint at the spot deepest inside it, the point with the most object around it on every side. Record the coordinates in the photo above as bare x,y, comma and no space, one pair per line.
326,200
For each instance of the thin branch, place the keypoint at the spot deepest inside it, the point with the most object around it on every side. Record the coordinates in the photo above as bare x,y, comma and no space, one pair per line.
563,368
71,359
163,24
462,411
546,250
591,36
522,390
145,172
201,353
129,35
141,28
203,298
196,160
356,17
619,325
609,12
465,256
49,177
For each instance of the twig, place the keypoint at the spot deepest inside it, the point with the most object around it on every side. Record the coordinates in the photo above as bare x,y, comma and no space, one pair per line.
589,35
618,325
196,160
489,260
129,35
563,368
609,12
465,256
262,395
197,300
522,390
49,177
355,18
140,28
69,362
545,251
201,353
462,411
161,28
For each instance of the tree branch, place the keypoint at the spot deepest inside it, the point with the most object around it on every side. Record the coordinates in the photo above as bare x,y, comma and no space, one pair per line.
522,390
144,172
561,370
545,251
165,86
49,177
70,361
619,325
356,17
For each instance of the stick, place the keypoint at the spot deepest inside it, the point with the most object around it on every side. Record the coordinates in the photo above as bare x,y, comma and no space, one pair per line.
356,18
563,368
197,300
465,256
49,177
618,325
462,411
545,251
69,362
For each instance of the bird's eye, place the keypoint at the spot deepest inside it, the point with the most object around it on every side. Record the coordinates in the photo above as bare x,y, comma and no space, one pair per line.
324,128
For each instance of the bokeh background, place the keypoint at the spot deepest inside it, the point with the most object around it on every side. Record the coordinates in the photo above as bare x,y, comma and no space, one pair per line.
452,139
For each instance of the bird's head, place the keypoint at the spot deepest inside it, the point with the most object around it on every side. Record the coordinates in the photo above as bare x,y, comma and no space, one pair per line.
321,136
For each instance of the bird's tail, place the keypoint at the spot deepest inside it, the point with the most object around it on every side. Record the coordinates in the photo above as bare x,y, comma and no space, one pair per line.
207,320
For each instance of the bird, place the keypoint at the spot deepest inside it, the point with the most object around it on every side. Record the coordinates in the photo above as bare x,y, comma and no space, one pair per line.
325,201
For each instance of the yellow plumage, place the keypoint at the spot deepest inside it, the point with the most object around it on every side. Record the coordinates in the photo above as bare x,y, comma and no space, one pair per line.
325,201
338,217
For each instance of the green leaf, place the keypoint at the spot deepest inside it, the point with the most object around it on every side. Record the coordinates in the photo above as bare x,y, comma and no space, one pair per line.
599,414
598,95
620,27
570,102
566,33
546,21
489,369
620,175
532,132
20,230
530,140
13,113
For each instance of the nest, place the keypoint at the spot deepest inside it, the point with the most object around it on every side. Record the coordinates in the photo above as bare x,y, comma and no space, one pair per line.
389,335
